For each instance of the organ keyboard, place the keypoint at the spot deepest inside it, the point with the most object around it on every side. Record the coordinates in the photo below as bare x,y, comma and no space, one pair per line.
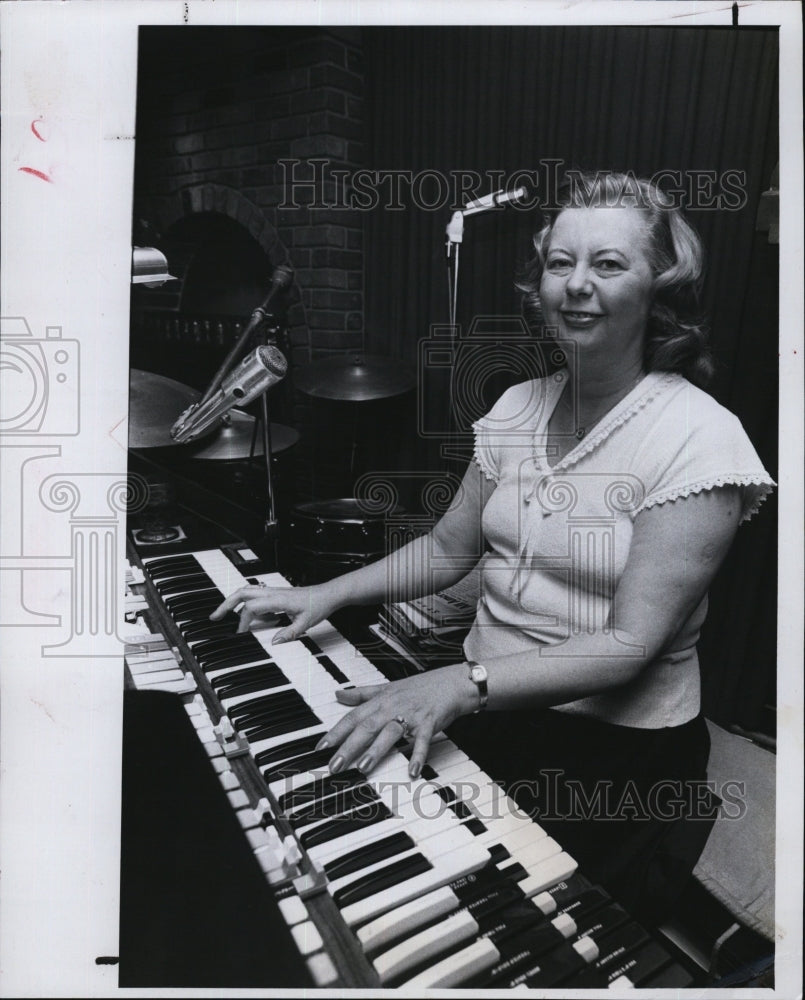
382,880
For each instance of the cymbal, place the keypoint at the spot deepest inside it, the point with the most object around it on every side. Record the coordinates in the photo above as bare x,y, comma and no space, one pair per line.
155,403
355,377
234,439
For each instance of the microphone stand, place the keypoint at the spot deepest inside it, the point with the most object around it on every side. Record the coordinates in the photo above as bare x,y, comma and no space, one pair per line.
282,277
270,525
455,237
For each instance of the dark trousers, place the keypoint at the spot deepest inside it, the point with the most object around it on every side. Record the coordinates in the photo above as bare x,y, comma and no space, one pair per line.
632,806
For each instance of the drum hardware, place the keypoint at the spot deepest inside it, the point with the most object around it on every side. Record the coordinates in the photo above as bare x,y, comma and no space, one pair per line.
355,377
329,537
154,401
235,439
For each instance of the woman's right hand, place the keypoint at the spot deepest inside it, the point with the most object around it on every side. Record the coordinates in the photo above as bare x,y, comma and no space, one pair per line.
305,606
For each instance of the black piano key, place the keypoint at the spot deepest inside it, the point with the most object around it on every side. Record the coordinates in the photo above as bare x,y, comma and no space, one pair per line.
268,705
199,614
249,687
199,598
333,806
320,788
672,977
495,897
520,932
243,640
289,724
201,631
226,662
476,827
171,565
600,921
176,585
642,964
383,878
613,948
572,887
520,924
586,903
369,854
498,853
248,680
290,718
357,819
549,969
333,670
192,619
289,750
223,651
313,647
298,765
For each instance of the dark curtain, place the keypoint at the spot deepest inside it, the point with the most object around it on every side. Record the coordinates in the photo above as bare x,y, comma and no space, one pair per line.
625,98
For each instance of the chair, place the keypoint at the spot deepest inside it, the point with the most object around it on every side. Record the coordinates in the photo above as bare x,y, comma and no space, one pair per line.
738,862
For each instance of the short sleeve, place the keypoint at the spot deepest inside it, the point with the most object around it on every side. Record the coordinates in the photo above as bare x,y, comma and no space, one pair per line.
713,450
510,423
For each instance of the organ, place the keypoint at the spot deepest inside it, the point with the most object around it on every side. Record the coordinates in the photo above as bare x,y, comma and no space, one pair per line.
376,880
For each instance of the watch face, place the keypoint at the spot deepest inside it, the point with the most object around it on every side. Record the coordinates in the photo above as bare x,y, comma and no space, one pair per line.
478,673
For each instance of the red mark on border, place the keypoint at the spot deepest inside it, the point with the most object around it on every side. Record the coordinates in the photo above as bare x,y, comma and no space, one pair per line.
36,173
35,130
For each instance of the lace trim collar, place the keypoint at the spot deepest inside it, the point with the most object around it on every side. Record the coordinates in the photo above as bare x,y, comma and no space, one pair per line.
647,389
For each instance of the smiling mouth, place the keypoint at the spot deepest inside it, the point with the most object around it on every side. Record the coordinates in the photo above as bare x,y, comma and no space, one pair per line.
575,316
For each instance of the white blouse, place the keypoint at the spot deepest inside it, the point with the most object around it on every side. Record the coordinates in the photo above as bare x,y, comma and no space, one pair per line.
560,533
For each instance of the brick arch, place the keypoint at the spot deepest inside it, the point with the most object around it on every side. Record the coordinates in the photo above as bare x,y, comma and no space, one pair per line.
163,212
167,210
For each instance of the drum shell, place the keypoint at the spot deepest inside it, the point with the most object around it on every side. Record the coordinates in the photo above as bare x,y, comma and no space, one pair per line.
339,528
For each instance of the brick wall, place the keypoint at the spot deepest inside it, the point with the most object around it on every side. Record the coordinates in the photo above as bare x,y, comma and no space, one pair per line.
248,123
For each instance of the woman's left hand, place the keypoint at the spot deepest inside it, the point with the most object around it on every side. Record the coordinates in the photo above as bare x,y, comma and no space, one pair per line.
424,705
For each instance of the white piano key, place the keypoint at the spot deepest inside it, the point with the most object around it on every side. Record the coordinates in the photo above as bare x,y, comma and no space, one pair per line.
419,947
450,866
407,820
535,854
456,968
238,799
307,937
229,779
407,917
293,909
554,869
322,969
158,676
143,663
275,741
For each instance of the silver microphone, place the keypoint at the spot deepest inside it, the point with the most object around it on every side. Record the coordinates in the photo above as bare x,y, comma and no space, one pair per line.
495,199
259,370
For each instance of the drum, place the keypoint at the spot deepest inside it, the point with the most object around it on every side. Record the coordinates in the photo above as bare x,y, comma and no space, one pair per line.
330,537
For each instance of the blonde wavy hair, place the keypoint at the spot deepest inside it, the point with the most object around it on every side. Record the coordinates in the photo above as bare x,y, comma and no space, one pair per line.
676,335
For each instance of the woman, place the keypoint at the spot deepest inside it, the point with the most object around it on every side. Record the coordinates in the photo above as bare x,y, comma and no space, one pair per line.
605,497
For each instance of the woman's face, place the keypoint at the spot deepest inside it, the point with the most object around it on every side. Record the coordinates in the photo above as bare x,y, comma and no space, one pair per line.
596,286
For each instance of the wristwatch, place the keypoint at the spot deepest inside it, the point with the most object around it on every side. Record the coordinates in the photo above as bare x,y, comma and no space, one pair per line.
479,677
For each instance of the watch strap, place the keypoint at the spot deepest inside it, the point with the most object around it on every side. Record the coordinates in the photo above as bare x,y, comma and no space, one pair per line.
478,676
